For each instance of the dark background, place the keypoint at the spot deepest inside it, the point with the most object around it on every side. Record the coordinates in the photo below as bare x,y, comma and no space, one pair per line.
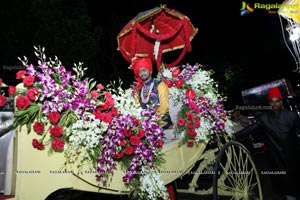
244,51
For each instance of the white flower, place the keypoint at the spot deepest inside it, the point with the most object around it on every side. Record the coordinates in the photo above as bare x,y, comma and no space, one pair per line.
126,104
153,186
229,127
167,73
84,135
204,131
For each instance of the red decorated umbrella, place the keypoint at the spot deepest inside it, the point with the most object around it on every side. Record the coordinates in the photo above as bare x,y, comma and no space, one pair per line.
154,32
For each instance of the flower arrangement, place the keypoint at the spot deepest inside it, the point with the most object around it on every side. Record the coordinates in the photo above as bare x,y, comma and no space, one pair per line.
86,121
104,126
202,114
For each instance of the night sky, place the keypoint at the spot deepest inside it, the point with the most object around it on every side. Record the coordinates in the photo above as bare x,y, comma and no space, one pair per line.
251,45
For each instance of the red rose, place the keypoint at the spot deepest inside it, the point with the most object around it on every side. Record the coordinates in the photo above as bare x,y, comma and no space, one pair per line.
38,128
33,94
197,122
192,105
56,131
22,102
176,72
58,144
190,143
190,94
141,133
11,90
135,140
159,143
100,87
169,83
192,133
129,150
3,100
95,94
136,122
180,122
123,143
189,115
190,125
20,74
28,80
127,132
179,83
54,117
118,155
36,144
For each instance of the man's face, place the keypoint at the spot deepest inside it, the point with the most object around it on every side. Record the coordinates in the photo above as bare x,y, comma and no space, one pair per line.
144,74
275,103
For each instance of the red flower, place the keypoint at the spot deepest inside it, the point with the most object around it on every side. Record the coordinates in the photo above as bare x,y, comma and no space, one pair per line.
58,144
192,105
179,83
33,94
0,82
190,125
190,94
180,122
36,144
22,102
127,132
20,74
118,155
136,122
56,131
28,80
192,133
2,100
123,143
141,133
159,143
135,140
190,143
197,122
11,90
169,83
176,72
54,117
100,87
189,115
95,94
129,150
38,128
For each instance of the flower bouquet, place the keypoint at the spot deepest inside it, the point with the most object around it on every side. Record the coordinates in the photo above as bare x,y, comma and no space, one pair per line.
202,115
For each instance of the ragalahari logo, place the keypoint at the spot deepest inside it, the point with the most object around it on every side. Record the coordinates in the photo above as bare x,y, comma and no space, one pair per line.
246,9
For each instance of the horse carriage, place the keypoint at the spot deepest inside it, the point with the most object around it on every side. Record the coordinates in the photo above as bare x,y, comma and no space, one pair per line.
227,163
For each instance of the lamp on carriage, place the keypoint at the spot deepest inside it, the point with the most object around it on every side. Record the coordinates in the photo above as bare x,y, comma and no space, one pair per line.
294,31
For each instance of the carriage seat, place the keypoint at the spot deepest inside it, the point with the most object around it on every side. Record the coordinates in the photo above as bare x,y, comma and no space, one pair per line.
173,110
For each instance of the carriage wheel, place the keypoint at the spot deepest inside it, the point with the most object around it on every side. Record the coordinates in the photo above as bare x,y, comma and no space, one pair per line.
235,175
